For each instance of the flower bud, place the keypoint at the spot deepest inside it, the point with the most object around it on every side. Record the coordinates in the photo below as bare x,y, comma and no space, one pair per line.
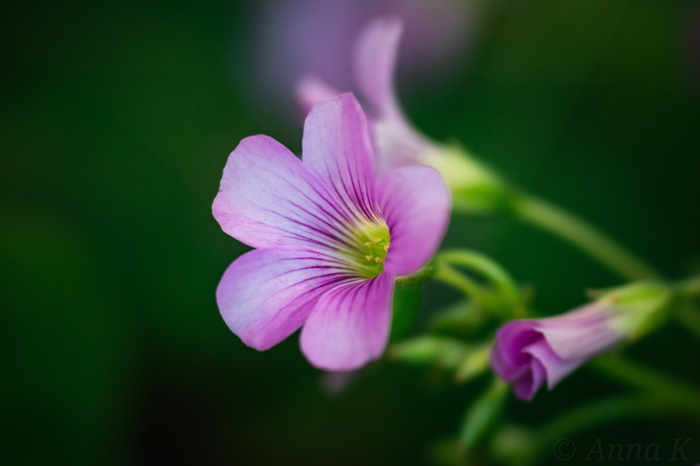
530,352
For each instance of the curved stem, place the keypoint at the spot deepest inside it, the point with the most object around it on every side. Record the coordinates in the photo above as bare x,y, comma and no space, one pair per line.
574,230
596,413
672,392
601,412
448,275
487,267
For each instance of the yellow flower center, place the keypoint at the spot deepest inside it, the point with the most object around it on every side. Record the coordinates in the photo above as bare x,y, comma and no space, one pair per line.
369,255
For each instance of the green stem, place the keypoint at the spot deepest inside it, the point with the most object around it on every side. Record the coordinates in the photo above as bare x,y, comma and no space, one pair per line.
574,230
596,413
672,392
601,412
448,275
487,267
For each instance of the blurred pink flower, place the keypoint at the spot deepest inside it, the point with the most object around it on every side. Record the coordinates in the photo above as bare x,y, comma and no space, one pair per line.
396,141
316,37
331,237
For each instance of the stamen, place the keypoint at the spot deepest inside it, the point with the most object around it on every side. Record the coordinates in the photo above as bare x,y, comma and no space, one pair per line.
373,242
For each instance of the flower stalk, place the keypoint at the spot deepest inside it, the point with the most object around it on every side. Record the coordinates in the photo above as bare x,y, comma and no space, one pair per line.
451,276
476,188
593,414
489,269
576,231
662,387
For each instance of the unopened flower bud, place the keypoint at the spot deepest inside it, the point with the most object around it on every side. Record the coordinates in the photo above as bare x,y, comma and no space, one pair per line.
530,352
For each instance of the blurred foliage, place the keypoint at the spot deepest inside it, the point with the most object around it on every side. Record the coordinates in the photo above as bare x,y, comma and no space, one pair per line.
116,122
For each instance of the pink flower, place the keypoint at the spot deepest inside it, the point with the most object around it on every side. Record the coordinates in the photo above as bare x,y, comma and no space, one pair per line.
397,142
330,238
293,39
529,353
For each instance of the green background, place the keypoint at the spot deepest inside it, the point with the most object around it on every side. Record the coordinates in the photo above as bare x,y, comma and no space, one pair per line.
115,124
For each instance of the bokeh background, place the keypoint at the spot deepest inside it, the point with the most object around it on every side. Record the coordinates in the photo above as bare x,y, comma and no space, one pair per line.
116,120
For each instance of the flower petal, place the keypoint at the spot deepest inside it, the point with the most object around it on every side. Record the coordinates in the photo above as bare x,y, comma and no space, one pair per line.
375,59
349,325
527,385
268,198
336,147
555,368
398,143
266,294
311,91
579,334
507,357
415,204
